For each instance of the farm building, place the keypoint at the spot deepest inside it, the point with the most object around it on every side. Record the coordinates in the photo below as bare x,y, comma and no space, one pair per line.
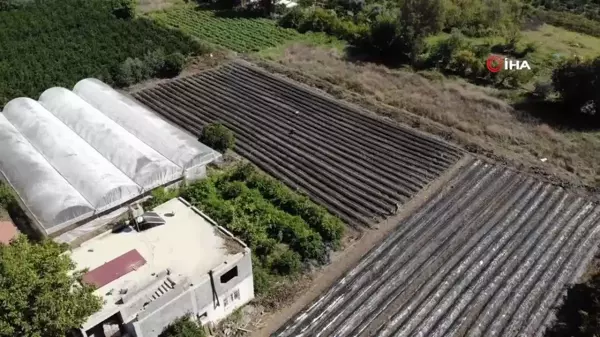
82,155
182,263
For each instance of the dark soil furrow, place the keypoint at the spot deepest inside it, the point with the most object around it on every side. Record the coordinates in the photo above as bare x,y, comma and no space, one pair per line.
324,152
355,193
360,167
320,143
343,117
187,120
320,120
355,115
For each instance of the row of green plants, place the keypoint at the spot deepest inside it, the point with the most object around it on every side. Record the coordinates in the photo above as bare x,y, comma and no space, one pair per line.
59,42
241,34
285,230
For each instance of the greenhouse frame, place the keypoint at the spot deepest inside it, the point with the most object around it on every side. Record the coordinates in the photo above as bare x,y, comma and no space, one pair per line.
74,155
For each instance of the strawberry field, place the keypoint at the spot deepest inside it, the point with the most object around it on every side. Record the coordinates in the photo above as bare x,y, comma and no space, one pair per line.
240,34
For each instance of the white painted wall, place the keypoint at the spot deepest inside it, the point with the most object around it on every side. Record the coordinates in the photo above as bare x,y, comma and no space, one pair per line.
241,294
197,299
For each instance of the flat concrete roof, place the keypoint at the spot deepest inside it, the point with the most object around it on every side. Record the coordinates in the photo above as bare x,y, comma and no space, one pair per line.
188,245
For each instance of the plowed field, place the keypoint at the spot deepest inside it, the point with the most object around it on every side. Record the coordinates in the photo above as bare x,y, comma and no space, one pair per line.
488,256
362,168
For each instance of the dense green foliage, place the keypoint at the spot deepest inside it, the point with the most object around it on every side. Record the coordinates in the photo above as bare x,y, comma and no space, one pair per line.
588,8
38,296
226,29
393,32
160,196
284,229
58,42
578,83
183,327
217,136
570,21
154,64
6,196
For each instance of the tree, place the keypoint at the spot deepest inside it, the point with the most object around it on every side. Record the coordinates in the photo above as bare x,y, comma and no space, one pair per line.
423,16
217,136
183,327
40,291
578,83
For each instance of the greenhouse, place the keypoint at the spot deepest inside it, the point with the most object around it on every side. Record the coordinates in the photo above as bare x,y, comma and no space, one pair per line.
175,145
73,155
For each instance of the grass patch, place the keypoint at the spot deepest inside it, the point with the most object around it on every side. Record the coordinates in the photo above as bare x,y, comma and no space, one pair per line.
552,45
308,39
226,29
57,43
285,230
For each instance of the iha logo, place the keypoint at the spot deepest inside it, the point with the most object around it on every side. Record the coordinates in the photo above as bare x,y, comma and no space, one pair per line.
495,63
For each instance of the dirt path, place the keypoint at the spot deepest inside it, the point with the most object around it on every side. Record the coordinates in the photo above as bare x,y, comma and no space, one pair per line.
348,258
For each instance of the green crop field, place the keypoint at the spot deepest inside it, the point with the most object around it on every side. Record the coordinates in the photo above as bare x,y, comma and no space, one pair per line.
236,33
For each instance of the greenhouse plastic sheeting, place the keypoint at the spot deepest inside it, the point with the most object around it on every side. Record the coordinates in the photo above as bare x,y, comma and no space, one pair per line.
138,161
100,182
172,142
46,194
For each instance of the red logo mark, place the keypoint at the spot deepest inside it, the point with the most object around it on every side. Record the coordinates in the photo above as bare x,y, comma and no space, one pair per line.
494,63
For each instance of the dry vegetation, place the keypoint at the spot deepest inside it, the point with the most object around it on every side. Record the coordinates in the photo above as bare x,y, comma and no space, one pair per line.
471,116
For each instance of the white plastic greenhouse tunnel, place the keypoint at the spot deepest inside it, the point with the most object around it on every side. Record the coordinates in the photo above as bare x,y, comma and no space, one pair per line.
74,155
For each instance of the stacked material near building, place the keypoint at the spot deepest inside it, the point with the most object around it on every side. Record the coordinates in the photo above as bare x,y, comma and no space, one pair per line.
75,155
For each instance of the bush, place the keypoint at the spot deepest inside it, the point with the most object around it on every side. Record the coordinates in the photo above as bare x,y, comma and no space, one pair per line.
578,83
483,18
155,61
542,90
285,261
319,20
132,71
7,197
173,65
292,19
570,21
218,137
183,327
160,196
123,9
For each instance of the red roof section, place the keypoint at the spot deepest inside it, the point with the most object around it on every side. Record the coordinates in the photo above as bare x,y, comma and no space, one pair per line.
7,231
114,269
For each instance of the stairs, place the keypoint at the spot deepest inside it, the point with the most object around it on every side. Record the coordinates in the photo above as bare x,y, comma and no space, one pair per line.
165,287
